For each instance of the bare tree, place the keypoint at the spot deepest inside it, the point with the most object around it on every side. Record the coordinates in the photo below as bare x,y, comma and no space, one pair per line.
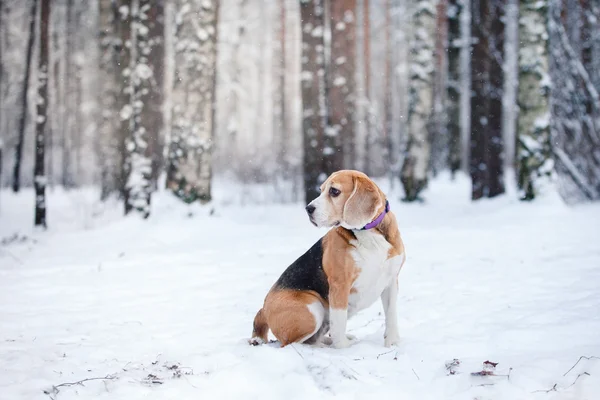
123,57
138,152
416,163
42,116
387,83
314,112
189,171
342,86
486,101
366,29
534,150
153,106
453,84
575,109
16,184
108,138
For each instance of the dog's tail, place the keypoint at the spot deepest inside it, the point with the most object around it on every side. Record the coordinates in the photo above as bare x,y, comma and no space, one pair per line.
261,329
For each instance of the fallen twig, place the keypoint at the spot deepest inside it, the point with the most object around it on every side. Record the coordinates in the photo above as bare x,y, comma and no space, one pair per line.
296,350
552,389
382,354
54,390
583,373
413,370
580,358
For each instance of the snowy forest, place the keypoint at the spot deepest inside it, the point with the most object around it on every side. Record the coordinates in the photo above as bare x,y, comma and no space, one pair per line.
134,96
156,162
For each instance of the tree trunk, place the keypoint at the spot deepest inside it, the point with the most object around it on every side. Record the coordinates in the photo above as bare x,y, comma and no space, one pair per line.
387,96
314,113
575,108
42,116
367,73
189,173
109,157
342,85
70,99
124,19
153,107
144,122
495,145
486,103
453,84
534,149
16,184
416,163
438,131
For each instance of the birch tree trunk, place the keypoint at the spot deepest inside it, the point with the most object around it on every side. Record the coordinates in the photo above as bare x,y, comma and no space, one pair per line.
189,173
42,115
534,149
342,85
416,163
16,184
453,85
314,113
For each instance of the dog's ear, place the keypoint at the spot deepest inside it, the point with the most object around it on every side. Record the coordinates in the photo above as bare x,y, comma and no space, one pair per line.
361,206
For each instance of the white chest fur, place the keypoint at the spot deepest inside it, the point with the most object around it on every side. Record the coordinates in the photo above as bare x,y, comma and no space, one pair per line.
376,271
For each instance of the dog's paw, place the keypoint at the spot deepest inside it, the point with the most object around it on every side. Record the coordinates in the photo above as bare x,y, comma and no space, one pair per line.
347,341
391,340
255,341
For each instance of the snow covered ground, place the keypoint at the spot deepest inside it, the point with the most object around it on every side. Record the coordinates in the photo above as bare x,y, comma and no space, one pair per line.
163,308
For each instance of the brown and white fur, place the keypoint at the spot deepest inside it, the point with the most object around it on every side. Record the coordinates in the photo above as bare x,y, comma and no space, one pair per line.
343,273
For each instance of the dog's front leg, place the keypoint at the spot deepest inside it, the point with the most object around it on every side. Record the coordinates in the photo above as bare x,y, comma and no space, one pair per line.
338,315
389,298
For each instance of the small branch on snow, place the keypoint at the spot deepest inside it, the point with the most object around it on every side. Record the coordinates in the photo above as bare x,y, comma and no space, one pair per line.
583,373
296,350
382,354
552,389
54,390
580,358
413,370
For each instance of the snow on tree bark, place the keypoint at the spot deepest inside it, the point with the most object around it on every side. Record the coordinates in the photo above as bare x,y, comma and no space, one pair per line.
189,172
138,152
123,54
314,113
486,102
533,149
575,108
416,163
453,86
342,85
41,117
16,183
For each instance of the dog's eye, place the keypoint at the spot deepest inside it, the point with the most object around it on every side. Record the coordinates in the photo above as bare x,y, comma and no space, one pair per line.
333,192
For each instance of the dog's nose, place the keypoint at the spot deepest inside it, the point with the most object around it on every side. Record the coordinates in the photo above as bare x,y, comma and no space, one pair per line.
310,209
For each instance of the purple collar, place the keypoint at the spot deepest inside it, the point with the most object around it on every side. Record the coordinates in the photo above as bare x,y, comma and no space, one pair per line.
377,220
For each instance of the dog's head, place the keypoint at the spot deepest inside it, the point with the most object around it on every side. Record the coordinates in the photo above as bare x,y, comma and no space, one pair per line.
348,198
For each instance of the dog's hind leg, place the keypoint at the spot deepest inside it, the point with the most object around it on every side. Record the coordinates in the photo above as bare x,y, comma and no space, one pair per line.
261,329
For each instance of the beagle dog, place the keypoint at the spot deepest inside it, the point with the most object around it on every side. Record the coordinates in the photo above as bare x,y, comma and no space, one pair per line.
344,272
